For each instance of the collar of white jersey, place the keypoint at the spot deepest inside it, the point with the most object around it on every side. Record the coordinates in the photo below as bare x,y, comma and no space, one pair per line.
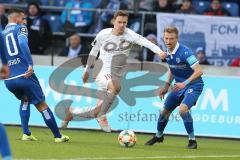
174,51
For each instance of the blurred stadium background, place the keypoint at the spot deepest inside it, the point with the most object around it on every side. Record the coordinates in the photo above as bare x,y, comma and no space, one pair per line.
210,28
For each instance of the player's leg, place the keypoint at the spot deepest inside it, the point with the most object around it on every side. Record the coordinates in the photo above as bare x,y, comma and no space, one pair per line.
190,98
108,97
35,95
24,112
76,113
171,102
109,89
50,121
4,145
188,123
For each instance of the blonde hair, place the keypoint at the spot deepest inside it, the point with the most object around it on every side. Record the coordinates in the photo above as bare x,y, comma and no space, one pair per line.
171,29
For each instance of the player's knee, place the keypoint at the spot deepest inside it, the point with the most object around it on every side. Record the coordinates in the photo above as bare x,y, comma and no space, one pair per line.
114,88
25,100
117,90
165,112
41,106
183,108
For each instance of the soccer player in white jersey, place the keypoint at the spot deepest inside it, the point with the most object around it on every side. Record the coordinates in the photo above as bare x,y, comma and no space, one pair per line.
114,45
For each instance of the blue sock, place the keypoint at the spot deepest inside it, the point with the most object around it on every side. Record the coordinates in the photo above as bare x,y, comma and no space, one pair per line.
188,123
24,112
162,122
51,122
4,145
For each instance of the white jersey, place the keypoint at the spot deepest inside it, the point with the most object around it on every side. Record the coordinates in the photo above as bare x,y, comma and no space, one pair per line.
114,50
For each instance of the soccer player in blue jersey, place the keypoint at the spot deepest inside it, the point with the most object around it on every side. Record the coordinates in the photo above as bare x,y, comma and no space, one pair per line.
185,70
22,81
4,145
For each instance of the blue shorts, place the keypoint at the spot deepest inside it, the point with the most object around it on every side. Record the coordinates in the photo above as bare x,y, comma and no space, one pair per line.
28,88
187,96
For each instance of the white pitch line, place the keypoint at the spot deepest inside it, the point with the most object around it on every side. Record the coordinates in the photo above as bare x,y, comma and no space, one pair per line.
155,157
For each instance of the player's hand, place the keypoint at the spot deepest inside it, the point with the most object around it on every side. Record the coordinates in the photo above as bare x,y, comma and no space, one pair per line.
4,72
85,77
162,55
29,72
163,91
178,86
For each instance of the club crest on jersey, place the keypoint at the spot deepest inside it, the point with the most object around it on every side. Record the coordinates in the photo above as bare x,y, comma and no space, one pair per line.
178,60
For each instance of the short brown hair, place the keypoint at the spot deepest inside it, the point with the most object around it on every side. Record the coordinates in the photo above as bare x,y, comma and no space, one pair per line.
15,10
171,29
120,13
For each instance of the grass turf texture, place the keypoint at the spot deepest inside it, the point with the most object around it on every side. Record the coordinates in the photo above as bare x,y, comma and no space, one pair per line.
100,145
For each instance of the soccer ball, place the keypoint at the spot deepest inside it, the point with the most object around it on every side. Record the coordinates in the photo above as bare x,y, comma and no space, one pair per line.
127,138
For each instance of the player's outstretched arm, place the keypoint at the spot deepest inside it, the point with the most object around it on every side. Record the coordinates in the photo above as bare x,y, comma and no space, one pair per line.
140,40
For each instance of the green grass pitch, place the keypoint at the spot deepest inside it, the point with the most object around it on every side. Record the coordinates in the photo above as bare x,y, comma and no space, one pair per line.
97,145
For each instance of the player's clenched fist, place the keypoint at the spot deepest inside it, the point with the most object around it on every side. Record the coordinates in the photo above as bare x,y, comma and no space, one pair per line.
163,55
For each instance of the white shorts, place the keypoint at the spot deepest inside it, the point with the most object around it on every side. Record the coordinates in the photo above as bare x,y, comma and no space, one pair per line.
103,79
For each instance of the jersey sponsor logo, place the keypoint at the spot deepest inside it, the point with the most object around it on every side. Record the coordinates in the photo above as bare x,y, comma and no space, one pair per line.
14,61
179,66
122,46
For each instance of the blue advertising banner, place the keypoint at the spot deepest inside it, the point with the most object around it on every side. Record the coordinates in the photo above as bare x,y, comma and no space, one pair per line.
216,113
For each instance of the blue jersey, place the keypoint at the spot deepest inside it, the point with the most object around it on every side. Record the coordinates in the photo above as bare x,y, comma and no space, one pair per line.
2,48
17,51
181,62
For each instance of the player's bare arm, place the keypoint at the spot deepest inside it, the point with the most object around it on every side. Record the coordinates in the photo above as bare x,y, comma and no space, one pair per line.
29,72
140,40
4,72
196,74
162,55
91,59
